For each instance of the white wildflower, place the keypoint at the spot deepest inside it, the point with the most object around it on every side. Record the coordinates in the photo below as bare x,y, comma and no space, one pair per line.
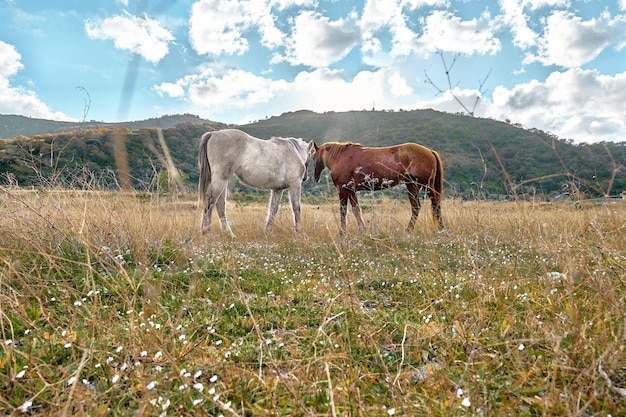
25,408
166,405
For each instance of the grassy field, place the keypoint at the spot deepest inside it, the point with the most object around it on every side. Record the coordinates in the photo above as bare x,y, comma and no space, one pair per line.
113,304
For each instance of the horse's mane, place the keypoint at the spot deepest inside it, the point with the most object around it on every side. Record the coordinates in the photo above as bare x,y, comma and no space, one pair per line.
332,150
294,142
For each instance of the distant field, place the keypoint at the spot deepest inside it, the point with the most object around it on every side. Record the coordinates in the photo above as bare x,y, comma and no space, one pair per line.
113,304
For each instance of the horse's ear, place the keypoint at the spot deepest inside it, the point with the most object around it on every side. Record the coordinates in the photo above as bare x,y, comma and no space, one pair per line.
312,145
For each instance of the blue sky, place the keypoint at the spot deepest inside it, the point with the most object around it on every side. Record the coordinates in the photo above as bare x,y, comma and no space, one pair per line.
554,65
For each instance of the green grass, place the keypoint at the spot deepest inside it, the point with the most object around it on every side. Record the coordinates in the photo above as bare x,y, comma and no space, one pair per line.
117,306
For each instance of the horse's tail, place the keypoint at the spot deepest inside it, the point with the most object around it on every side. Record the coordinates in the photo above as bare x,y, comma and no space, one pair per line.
437,192
205,169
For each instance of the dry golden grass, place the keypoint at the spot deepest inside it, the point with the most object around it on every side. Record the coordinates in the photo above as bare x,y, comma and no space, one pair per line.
114,304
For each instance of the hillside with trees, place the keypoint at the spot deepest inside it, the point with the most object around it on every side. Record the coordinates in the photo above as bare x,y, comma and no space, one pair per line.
12,126
482,158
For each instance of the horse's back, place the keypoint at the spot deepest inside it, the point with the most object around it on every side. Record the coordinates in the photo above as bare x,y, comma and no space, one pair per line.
227,143
264,164
230,137
397,162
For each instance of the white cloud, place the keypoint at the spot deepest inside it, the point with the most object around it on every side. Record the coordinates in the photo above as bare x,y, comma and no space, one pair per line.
271,36
230,89
139,35
398,85
219,26
515,17
457,101
389,13
568,41
580,104
16,99
318,42
284,4
447,32
381,15
175,90
234,89
441,30
322,89
10,63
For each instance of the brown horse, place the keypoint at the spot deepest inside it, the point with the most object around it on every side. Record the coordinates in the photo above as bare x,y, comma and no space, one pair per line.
354,167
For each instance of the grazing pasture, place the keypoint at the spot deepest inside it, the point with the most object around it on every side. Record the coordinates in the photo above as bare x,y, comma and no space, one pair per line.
114,304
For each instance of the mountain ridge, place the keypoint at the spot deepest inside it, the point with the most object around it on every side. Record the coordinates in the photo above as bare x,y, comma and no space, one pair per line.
12,126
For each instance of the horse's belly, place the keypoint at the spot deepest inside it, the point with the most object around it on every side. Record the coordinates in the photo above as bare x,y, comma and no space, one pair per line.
261,180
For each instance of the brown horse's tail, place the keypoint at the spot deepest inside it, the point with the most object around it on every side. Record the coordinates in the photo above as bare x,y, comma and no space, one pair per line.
437,191
205,169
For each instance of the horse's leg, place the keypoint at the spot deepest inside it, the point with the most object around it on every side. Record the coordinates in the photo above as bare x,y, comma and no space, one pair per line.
294,196
435,200
356,210
413,189
343,209
219,192
206,214
275,197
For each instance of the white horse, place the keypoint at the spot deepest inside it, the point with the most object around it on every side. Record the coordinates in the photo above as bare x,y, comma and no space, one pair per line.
275,164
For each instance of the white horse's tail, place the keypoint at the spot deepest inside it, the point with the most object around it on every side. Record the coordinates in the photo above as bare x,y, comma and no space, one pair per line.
205,169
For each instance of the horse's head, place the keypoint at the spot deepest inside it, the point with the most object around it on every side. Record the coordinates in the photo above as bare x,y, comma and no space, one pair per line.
318,158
